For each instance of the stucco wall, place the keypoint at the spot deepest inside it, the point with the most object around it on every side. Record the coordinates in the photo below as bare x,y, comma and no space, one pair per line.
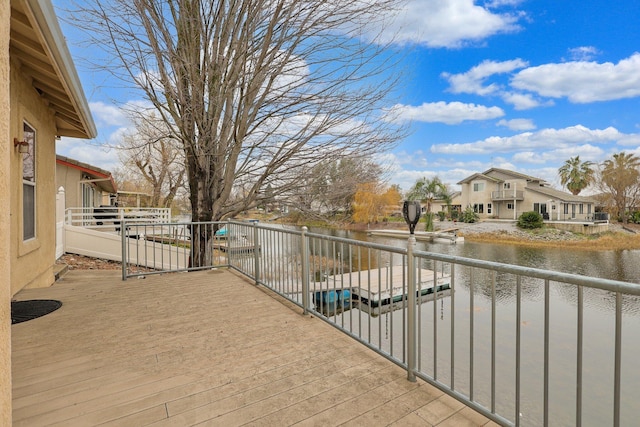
32,261
68,178
5,220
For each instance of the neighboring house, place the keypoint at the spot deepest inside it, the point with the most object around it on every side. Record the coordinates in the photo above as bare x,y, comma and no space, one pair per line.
85,186
504,194
454,204
40,100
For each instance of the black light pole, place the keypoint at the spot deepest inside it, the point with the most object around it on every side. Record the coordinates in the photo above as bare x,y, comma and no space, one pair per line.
411,213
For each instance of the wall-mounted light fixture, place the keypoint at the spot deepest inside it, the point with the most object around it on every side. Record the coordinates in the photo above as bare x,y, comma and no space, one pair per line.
23,146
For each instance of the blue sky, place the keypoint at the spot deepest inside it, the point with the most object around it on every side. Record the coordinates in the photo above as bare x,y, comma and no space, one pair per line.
516,84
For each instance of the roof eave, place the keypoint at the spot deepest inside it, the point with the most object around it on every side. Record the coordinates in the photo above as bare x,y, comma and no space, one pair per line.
56,45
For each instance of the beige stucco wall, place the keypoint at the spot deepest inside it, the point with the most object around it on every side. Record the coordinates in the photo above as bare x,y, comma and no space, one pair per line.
32,261
68,178
5,220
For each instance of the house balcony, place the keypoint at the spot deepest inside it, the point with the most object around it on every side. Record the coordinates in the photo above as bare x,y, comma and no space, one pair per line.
517,195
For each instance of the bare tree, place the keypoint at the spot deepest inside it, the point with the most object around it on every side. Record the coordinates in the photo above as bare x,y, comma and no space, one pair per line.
255,90
328,190
152,155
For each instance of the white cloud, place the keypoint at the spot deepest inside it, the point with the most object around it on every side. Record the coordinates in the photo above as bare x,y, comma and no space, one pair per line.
583,53
107,115
87,152
443,112
583,82
523,101
517,124
493,4
530,141
447,23
585,151
473,80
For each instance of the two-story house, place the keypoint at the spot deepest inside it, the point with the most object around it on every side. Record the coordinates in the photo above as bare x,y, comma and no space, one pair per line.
504,194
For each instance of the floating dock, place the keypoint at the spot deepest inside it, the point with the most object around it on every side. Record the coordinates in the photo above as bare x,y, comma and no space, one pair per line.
450,235
382,289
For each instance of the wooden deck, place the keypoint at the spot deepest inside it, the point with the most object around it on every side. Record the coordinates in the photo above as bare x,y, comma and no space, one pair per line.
204,348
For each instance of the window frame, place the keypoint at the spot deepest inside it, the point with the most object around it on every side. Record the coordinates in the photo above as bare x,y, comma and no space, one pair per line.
478,187
29,182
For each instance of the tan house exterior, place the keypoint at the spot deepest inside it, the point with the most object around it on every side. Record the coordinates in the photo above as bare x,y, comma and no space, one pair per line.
40,100
454,204
85,186
504,194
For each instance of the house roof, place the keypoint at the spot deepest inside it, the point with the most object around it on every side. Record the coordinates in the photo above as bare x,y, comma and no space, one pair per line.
489,175
103,178
560,195
38,45
517,175
479,176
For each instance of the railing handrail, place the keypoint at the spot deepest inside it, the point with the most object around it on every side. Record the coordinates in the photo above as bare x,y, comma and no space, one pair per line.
556,276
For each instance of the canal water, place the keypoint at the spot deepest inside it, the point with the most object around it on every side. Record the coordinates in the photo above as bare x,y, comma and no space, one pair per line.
598,345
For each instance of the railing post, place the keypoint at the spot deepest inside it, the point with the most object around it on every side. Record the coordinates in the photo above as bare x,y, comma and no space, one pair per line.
256,253
411,311
229,242
305,269
123,240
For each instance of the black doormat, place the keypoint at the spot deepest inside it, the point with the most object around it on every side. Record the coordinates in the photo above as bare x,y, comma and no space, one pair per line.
21,311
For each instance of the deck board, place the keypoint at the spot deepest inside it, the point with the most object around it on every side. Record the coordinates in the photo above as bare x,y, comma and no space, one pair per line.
202,348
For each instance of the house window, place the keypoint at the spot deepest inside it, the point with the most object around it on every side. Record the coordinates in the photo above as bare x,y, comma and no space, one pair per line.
489,208
29,185
589,209
510,206
478,186
566,208
581,209
573,211
478,208
506,185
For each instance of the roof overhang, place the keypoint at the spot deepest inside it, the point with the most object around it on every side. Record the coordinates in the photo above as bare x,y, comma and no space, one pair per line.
39,47
98,176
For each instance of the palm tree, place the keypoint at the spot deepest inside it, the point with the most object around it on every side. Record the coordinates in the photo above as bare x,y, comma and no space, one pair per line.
620,180
427,190
576,175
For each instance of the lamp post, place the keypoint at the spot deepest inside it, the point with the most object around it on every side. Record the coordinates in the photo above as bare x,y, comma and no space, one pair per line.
411,213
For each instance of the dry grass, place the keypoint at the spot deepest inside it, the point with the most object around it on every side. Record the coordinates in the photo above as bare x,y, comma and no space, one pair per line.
601,242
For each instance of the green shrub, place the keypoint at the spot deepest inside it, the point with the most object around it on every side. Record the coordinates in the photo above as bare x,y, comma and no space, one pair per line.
530,220
468,215
442,215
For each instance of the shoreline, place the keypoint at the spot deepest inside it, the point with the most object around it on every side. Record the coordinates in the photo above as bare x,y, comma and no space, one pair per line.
618,238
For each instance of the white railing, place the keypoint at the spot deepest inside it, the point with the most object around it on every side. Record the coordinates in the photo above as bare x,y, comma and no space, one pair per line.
110,218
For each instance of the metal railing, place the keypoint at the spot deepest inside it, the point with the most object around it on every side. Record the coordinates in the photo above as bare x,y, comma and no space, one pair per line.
516,344
507,195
